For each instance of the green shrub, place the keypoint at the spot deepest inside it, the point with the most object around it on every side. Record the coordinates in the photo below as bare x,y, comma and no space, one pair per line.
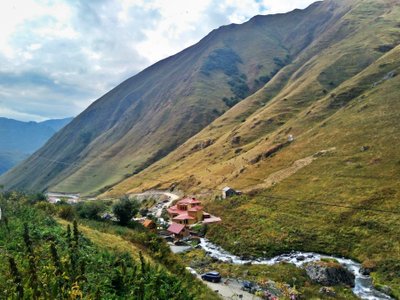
66,212
125,209
90,209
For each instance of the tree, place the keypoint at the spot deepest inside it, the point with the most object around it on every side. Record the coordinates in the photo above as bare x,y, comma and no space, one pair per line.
90,209
125,209
37,197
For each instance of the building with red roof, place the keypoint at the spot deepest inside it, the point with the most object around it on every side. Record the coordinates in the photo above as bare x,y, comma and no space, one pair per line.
149,224
188,211
178,230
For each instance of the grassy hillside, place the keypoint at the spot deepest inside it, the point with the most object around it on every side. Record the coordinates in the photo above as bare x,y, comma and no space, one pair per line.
152,113
334,189
46,258
233,146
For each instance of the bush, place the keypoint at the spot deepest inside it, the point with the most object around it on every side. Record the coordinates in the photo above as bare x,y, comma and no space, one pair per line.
66,212
34,198
46,207
125,209
90,209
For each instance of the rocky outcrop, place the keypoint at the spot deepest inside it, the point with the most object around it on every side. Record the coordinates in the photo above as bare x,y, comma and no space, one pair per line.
328,291
270,152
202,145
329,274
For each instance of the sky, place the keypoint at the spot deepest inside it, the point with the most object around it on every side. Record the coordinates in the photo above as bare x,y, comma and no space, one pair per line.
58,56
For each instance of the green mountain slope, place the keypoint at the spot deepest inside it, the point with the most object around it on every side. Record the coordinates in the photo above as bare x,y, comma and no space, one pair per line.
335,188
152,113
20,139
232,148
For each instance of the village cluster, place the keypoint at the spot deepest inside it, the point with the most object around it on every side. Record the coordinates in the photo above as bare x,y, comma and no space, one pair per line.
184,215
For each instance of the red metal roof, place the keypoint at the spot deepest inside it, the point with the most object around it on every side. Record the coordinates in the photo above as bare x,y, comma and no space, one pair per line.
196,208
183,217
176,228
174,210
189,201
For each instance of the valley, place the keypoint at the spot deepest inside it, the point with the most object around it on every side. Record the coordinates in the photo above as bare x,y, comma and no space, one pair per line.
21,139
230,289
296,114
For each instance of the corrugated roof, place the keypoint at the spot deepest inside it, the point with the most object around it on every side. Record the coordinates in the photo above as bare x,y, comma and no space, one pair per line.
196,208
174,210
176,228
183,217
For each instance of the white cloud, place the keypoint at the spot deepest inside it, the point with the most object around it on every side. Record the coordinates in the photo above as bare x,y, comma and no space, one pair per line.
276,6
58,56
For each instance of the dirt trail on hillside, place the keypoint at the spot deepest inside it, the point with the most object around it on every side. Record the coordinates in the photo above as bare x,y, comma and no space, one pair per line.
281,175
158,208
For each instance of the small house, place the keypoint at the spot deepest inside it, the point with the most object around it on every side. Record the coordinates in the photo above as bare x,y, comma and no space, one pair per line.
229,192
149,224
178,230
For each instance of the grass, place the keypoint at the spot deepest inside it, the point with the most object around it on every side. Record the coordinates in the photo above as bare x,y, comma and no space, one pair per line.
280,108
357,117
91,261
110,242
121,239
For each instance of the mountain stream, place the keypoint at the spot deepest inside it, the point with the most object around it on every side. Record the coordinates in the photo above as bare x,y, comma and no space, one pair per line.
363,284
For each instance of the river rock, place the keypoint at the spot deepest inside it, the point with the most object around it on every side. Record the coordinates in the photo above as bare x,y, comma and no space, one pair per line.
365,271
271,288
386,289
300,258
329,274
328,291
368,267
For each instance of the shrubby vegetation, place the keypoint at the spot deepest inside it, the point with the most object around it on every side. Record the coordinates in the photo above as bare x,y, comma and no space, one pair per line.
223,59
226,60
125,209
42,260
90,209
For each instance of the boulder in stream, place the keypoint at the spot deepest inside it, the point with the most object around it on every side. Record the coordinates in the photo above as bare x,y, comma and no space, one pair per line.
368,266
329,273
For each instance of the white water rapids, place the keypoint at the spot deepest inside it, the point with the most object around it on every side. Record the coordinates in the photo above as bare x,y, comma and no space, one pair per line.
363,284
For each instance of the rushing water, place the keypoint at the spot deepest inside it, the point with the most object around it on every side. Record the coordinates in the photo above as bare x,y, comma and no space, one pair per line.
363,284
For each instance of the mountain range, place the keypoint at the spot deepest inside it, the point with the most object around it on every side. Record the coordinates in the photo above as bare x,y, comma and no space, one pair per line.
299,111
295,71
20,139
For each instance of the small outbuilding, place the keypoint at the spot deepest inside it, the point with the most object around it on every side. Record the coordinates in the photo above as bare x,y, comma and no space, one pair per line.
149,224
229,192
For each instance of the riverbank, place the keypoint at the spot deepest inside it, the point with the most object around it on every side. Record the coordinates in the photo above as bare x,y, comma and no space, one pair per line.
363,287
269,223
